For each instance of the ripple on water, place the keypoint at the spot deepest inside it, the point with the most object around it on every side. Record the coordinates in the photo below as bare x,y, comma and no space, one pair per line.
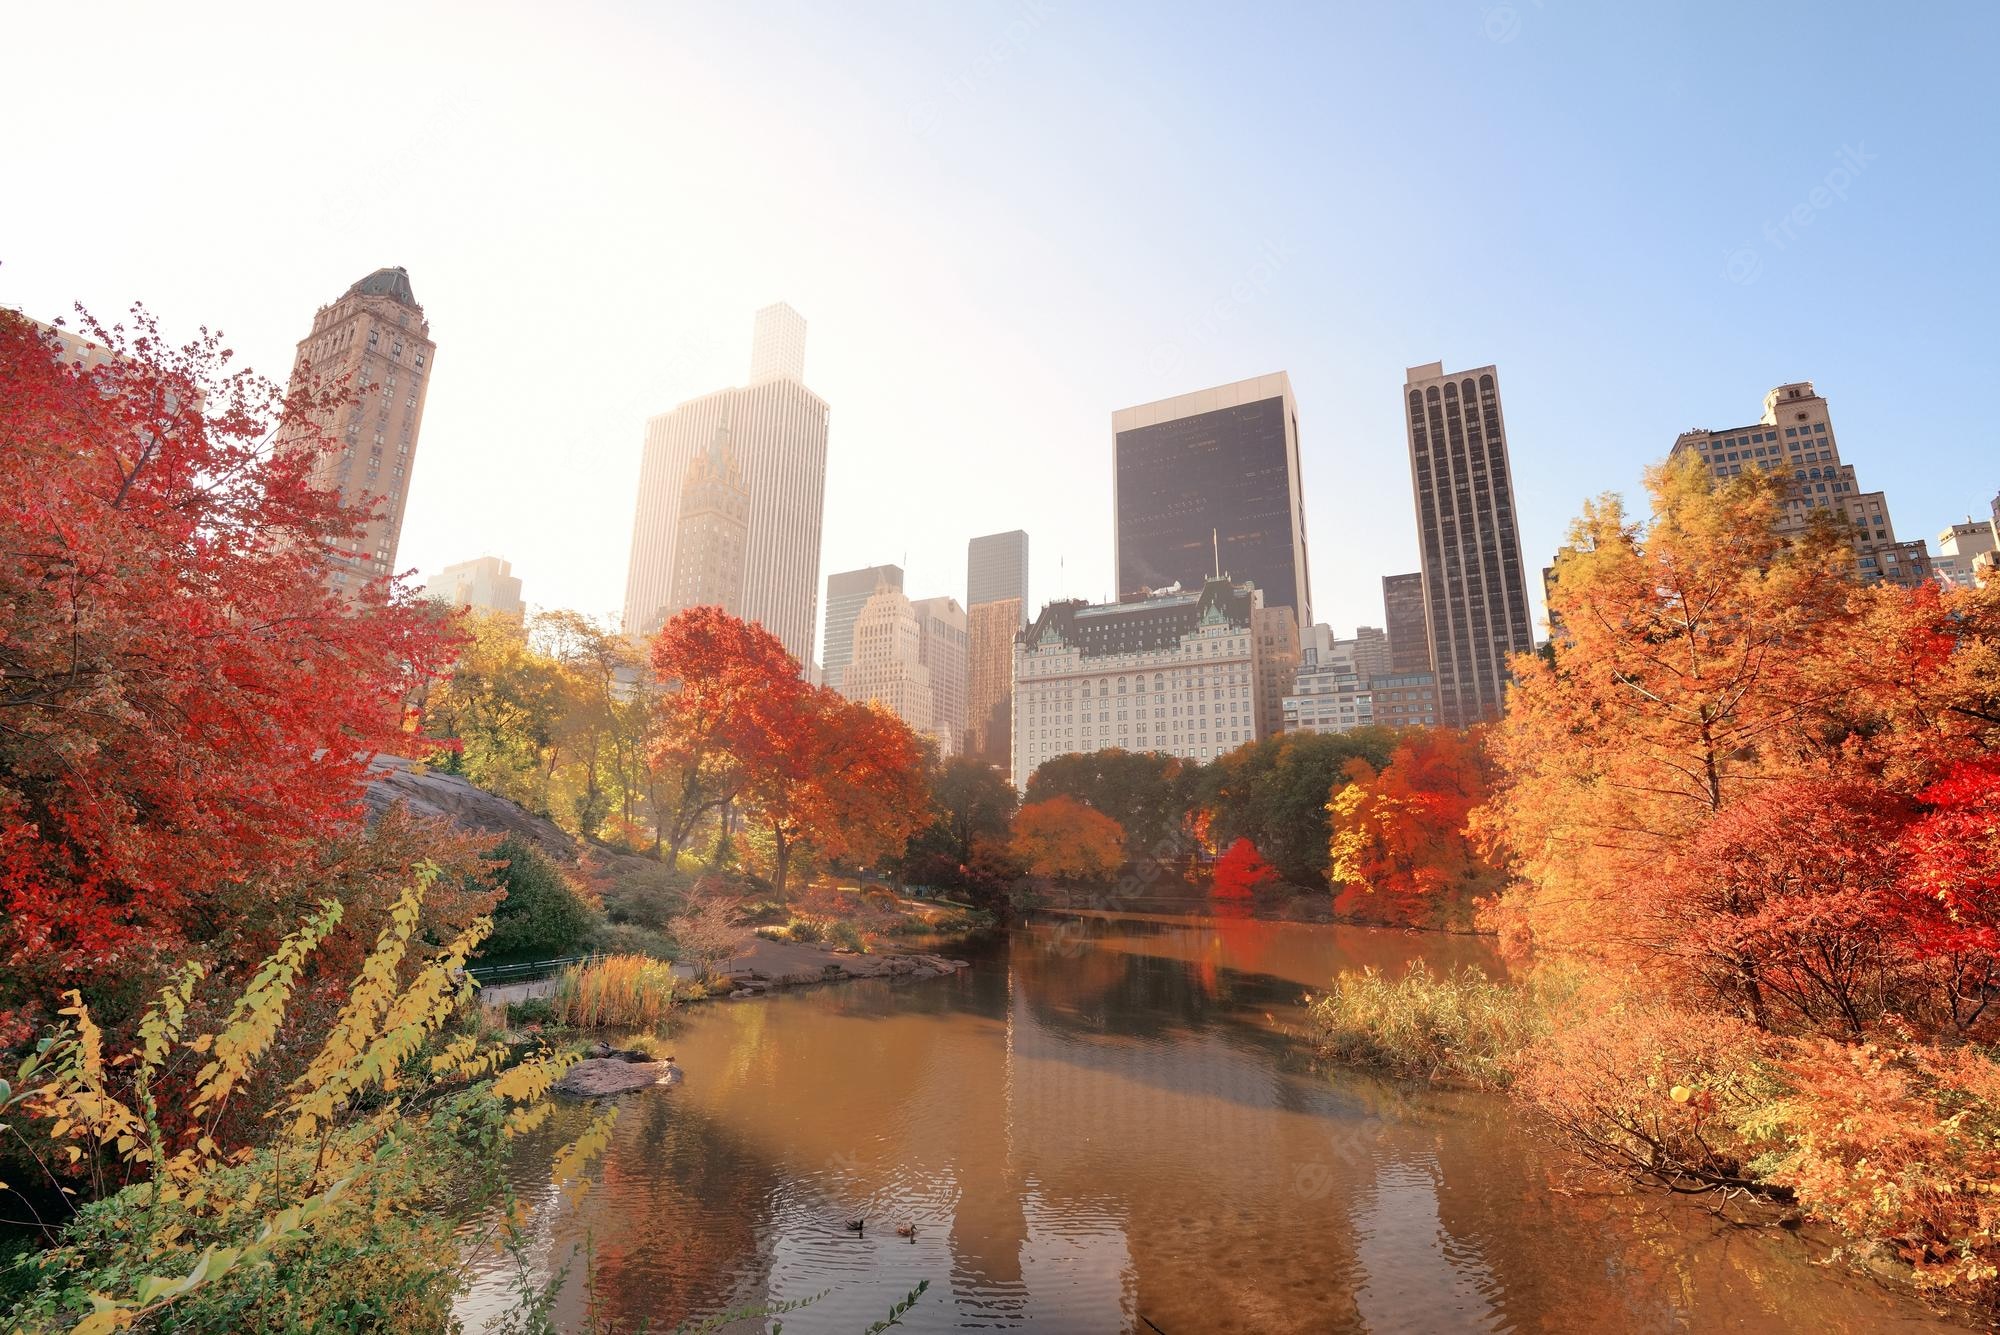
1104,1126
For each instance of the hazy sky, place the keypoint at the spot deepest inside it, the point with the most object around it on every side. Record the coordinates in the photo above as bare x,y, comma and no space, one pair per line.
1004,221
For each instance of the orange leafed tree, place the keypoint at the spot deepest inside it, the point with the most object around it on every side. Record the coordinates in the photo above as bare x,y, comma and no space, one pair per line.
1402,852
1063,839
1696,660
185,709
726,683
832,777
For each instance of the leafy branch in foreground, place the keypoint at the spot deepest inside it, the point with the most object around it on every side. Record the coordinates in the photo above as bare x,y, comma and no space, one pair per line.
342,1218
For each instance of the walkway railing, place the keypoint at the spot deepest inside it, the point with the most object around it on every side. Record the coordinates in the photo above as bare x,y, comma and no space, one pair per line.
523,971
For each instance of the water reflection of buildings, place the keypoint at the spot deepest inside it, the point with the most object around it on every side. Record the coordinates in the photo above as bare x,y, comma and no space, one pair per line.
1088,1134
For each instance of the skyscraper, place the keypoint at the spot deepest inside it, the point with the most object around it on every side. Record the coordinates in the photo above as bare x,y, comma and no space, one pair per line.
1403,612
1795,435
996,601
375,337
941,643
1212,479
1475,587
996,567
1278,658
847,591
713,528
757,501
888,668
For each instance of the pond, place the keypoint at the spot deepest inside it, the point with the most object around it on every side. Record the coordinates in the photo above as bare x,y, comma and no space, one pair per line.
1104,1125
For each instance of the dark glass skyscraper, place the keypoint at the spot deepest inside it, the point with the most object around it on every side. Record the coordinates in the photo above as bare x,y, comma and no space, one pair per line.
1212,478
1475,588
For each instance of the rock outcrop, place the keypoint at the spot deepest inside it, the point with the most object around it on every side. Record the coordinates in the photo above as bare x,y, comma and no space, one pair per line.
765,965
601,1077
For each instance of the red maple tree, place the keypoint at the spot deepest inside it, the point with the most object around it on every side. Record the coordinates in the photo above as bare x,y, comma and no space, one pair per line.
1241,872
185,708
727,683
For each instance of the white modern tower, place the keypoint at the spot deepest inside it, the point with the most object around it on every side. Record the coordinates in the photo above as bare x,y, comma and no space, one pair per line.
777,429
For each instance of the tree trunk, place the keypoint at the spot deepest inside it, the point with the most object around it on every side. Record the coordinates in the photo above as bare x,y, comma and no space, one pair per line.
722,823
781,862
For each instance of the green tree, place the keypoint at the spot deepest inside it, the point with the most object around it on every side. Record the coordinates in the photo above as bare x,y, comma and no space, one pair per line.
1144,791
1274,793
500,712
543,912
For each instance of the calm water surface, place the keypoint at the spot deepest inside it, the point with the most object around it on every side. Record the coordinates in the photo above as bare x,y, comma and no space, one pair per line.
1103,1125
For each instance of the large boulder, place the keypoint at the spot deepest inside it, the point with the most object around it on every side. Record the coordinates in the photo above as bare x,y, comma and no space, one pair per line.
600,1077
394,779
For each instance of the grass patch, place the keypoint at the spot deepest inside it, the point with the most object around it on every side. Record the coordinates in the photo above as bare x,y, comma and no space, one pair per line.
1456,1027
631,990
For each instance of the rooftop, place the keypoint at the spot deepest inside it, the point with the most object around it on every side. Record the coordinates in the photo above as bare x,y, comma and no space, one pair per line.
392,283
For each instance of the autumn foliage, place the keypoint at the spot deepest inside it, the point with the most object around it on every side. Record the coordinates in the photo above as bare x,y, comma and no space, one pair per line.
1241,872
1401,850
1755,802
1063,839
188,709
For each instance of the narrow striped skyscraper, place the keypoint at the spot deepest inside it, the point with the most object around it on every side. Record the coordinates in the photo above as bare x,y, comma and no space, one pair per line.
1475,588
761,448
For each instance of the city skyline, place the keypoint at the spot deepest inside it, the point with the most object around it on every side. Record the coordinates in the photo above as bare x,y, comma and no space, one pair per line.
926,301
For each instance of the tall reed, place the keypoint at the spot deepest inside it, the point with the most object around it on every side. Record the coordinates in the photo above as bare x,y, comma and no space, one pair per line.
1459,1026
617,990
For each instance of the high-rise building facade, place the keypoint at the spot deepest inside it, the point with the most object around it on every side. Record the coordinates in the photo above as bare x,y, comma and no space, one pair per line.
713,528
996,608
1277,632
941,645
1342,685
1209,482
1959,549
1371,651
1795,436
374,338
996,567
990,631
847,592
1175,673
1403,614
887,668
776,433
1475,587
487,584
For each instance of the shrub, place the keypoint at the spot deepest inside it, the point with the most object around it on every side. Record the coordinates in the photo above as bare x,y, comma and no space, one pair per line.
342,1215
543,912
1655,1093
616,990
643,893
1455,1026
631,939
1895,1146
532,1010
809,930
707,935
848,937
